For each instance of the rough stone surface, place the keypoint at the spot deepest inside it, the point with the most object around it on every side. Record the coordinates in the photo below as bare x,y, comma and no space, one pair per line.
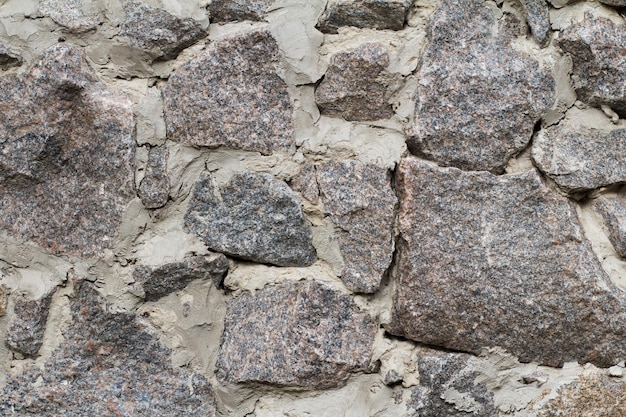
66,155
154,188
478,99
372,14
487,261
231,95
613,210
157,282
8,59
254,217
306,183
361,203
4,294
238,10
28,324
351,88
108,365
538,18
619,3
302,334
76,16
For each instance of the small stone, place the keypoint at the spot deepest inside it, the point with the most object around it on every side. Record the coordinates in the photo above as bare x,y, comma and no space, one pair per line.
77,16
371,14
222,11
4,297
302,334
231,95
538,18
306,183
154,188
254,217
616,371
351,87
28,324
537,377
8,59
612,208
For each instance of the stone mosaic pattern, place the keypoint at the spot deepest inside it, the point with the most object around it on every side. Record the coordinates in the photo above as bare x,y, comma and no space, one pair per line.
372,14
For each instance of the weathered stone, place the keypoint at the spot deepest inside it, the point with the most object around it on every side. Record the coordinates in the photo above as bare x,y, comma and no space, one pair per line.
231,95
253,217
618,3
538,18
487,261
598,50
154,188
66,155
76,16
157,282
109,364
478,98
372,14
238,10
28,324
361,203
303,334
8,59
351,88
613,211
4,294
306,183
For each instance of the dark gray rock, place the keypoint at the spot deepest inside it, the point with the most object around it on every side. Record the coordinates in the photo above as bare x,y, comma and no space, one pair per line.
231,95
351,87
8,59
361,203
487,261
28,324
77,16
154,188
222,11
538,18
478,99
66,155
305,182
371,14
612,208
618,3
253,217
303,334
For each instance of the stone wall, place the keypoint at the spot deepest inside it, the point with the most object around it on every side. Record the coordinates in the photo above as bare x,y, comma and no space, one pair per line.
312,208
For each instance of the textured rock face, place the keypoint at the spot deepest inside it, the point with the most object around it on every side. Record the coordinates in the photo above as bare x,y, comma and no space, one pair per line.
478,99
4,294
76,16
613,210
350,88
306,183
66,152
361,203
372,14
231,96
619,3
154,188
28,324
237,10
253,217
500,261
537,16
8,59
303,334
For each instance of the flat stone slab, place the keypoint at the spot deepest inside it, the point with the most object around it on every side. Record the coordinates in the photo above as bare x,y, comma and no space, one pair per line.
28,324
486,261
371,14
612,208
76,16
222,11
154,189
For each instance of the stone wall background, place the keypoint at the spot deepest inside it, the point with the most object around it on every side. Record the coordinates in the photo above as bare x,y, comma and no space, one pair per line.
312,208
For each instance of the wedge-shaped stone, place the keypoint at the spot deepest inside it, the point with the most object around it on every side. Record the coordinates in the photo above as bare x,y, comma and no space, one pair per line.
371,14
28,324
613,211
154,188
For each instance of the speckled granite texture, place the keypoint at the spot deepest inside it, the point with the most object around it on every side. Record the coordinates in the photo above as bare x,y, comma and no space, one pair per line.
537,17
373,14
28,324
613,211
76,16
155,185
238,10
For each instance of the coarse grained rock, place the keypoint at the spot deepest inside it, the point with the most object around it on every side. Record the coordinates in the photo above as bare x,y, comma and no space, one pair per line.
612,208
361,203
66,155
298,334
371,14
618,3
28,324
154,188
159,281
76,16
254,216
486,261
351,88
8,59
231,95
107,364
222,11
538,18
305,182
478,99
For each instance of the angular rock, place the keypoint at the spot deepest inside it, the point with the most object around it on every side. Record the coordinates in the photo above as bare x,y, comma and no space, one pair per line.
231,95
66,155
28,324
154,188
371,14
618,3
351,88
109,364
222,11
8,59
613,211
303,334
254,217
487,261
538,18
361,203
306,183
478,99
76,16
4,294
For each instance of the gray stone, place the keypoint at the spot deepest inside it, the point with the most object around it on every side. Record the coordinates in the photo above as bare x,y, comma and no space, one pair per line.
8,59
154,188
66,155
618,3
222,11
485,261
28,324
478,99
612,208
361,203
538,18
4,298
351,87
371,14
303,334
77,16
254,217
231,95
305,183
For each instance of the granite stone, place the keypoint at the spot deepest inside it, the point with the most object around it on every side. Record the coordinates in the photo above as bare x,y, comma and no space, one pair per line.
28,324
612,208
297,334
538,18
4,298
305,182
231,95
66,155
222,11
76,16
618,3
154,188
486,261
371,14
254,217
478,99
8,59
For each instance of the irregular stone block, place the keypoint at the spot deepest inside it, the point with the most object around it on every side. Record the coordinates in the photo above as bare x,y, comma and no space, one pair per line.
351,88
4,294
372,14
231,95
303,334
538,18
618,3
361,203
613,211
486,261
222,11
306,183
253,217
66,155
154,188
478,99
8,59
76,16
28,324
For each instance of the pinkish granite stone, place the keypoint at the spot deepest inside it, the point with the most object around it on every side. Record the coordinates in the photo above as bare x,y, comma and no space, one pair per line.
538,18
28,324
154,188
612,208
76,16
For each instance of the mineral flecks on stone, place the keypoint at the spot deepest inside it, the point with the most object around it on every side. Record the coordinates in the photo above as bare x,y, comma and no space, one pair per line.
478,99
538,18
231,95
612,208
371,14
305,182
76,16
8,59
360,201
303,334
66,155
222,11
486,261
28,324
155,186
254,217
